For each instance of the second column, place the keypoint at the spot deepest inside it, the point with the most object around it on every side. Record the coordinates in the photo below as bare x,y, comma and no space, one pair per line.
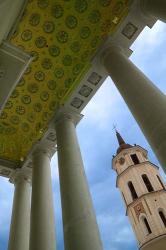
42,234
79,221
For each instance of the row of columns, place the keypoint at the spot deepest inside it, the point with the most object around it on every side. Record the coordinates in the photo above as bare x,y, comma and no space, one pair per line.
37,231
147,104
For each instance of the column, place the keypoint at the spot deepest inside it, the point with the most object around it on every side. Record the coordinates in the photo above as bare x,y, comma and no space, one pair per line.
146,102
155,8
79,222
20,221
42,234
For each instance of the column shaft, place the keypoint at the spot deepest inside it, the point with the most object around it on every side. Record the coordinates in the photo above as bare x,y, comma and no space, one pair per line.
79,222
20,222
42,235
146,102
155,8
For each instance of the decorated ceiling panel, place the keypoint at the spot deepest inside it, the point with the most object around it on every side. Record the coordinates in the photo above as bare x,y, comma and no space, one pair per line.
62,36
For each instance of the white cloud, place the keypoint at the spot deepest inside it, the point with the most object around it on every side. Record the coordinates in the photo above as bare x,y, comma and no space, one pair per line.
54,168
124,235
148,50
98,108
102,107
149,39
6,200
115,231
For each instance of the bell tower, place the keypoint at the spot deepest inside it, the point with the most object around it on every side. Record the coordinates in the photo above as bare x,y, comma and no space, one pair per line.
144,194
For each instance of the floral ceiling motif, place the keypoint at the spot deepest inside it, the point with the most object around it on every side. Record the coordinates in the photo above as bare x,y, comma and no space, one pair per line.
62,36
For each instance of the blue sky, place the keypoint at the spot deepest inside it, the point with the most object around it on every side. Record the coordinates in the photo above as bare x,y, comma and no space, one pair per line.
98,144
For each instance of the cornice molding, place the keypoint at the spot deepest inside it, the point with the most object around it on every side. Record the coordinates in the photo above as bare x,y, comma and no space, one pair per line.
142,196
66,113
19,175
135,166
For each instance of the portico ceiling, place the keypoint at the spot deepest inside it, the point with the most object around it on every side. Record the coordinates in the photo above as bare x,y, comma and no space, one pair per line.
62,36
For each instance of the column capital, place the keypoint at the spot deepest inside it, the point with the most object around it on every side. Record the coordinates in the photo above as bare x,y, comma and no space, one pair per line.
20,174
68,114
109,50
114,49
143,6
42,149
154,9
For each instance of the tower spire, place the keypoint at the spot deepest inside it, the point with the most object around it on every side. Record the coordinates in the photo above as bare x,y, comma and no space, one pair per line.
119,138
122,143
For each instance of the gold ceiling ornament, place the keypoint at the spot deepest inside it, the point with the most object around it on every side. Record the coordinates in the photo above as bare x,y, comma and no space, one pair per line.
62,37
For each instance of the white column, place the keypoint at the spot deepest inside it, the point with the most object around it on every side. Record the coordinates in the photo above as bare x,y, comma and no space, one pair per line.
20,221
146,102
79,221
42,233
154,8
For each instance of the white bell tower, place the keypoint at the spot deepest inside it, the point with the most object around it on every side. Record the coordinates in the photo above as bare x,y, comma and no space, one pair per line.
144,194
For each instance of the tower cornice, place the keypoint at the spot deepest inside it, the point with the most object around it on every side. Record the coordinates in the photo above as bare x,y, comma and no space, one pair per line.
133,166
142,196
160,237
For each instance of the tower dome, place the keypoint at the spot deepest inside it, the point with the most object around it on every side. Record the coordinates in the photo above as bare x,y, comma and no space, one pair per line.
144,194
